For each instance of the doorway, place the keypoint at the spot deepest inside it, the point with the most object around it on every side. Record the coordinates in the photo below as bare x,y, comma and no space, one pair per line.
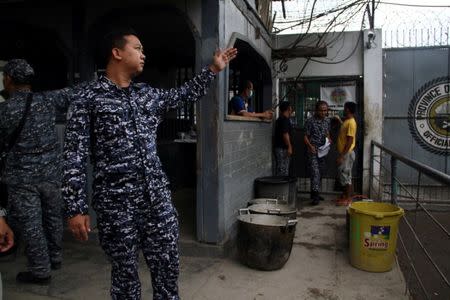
304,94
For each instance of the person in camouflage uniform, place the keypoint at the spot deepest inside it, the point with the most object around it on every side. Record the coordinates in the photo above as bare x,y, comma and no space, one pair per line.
115,121
317,129
33,170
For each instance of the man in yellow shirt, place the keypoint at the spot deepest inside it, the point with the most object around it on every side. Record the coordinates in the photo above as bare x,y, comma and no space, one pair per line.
345,144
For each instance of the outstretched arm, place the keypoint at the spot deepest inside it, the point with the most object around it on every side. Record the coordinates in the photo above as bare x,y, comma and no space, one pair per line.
195,88
268,114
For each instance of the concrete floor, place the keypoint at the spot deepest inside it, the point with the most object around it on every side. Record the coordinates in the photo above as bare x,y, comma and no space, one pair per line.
317,269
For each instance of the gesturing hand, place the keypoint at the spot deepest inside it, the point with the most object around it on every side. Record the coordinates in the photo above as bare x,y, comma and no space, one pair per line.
221,58
6,236
80,226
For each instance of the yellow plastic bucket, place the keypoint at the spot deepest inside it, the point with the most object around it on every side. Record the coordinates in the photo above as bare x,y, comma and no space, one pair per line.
373,235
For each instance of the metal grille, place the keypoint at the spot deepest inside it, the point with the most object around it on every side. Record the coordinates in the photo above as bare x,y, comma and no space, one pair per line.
424,236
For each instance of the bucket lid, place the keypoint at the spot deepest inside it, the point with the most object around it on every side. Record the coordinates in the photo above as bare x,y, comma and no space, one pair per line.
266,220
376,209
272,209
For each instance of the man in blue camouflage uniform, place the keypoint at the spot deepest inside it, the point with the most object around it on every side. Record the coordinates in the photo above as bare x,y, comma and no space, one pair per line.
116,120
33,170
317,129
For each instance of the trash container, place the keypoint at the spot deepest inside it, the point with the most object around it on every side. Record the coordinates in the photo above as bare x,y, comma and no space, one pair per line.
282,188
373,235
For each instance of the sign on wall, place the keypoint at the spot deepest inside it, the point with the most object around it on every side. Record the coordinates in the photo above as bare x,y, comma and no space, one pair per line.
336,94
429,116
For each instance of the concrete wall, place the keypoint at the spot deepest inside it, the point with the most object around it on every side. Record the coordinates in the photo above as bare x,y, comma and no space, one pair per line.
342,48
373,101
246,151
236,22
247,155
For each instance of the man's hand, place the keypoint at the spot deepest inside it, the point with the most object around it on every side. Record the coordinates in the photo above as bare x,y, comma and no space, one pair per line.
6,236
268,114
312,149
80,226
289,151
222,58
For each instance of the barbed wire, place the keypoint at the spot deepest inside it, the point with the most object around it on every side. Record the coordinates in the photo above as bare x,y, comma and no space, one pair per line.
403,24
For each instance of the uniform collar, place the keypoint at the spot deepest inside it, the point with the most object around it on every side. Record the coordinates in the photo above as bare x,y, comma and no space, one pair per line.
19,93
107,84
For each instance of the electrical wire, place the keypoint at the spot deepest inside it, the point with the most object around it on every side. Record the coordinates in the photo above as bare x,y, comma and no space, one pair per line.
415,5
348,56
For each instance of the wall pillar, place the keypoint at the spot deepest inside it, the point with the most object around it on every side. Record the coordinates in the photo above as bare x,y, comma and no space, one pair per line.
373,100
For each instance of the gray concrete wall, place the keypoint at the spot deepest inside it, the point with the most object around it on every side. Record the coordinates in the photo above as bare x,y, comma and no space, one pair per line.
373,101
247,155
246,146
341,48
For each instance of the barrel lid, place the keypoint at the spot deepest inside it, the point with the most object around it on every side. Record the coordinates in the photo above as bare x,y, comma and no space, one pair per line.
272,209
275,179
266,220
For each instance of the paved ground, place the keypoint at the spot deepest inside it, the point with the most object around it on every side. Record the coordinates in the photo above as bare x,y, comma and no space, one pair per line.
317,269
437,244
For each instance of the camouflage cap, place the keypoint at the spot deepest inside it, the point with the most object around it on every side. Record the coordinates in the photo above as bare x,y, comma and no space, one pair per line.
19,70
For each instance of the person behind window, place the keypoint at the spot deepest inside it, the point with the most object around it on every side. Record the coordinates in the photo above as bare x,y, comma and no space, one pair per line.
240,106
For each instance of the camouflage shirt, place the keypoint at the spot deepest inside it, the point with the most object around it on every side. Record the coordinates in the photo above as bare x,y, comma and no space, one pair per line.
35,157
117,126
317,130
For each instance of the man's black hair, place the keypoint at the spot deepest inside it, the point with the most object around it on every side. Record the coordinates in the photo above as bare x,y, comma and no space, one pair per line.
320,103
284,106
351,106
244,85
115,38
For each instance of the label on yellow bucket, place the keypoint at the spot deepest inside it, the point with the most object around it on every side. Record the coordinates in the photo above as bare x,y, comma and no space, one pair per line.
377,238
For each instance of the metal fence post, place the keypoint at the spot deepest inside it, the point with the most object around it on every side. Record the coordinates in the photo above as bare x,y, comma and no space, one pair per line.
394,183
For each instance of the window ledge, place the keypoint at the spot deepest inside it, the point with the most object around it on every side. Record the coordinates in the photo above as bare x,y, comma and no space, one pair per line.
246,119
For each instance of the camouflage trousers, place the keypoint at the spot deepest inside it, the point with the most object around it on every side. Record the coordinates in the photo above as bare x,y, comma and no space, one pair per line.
35,212
316,169
133,221
282,160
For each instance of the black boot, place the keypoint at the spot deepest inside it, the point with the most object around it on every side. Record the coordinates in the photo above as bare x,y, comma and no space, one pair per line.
28,277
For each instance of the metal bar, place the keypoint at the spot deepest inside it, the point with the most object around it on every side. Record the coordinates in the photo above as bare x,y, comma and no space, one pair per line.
434,220
394,183
413,268
406,199
414,198
426,252
434,174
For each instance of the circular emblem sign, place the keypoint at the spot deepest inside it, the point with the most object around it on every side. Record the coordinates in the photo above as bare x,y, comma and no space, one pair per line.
429,116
